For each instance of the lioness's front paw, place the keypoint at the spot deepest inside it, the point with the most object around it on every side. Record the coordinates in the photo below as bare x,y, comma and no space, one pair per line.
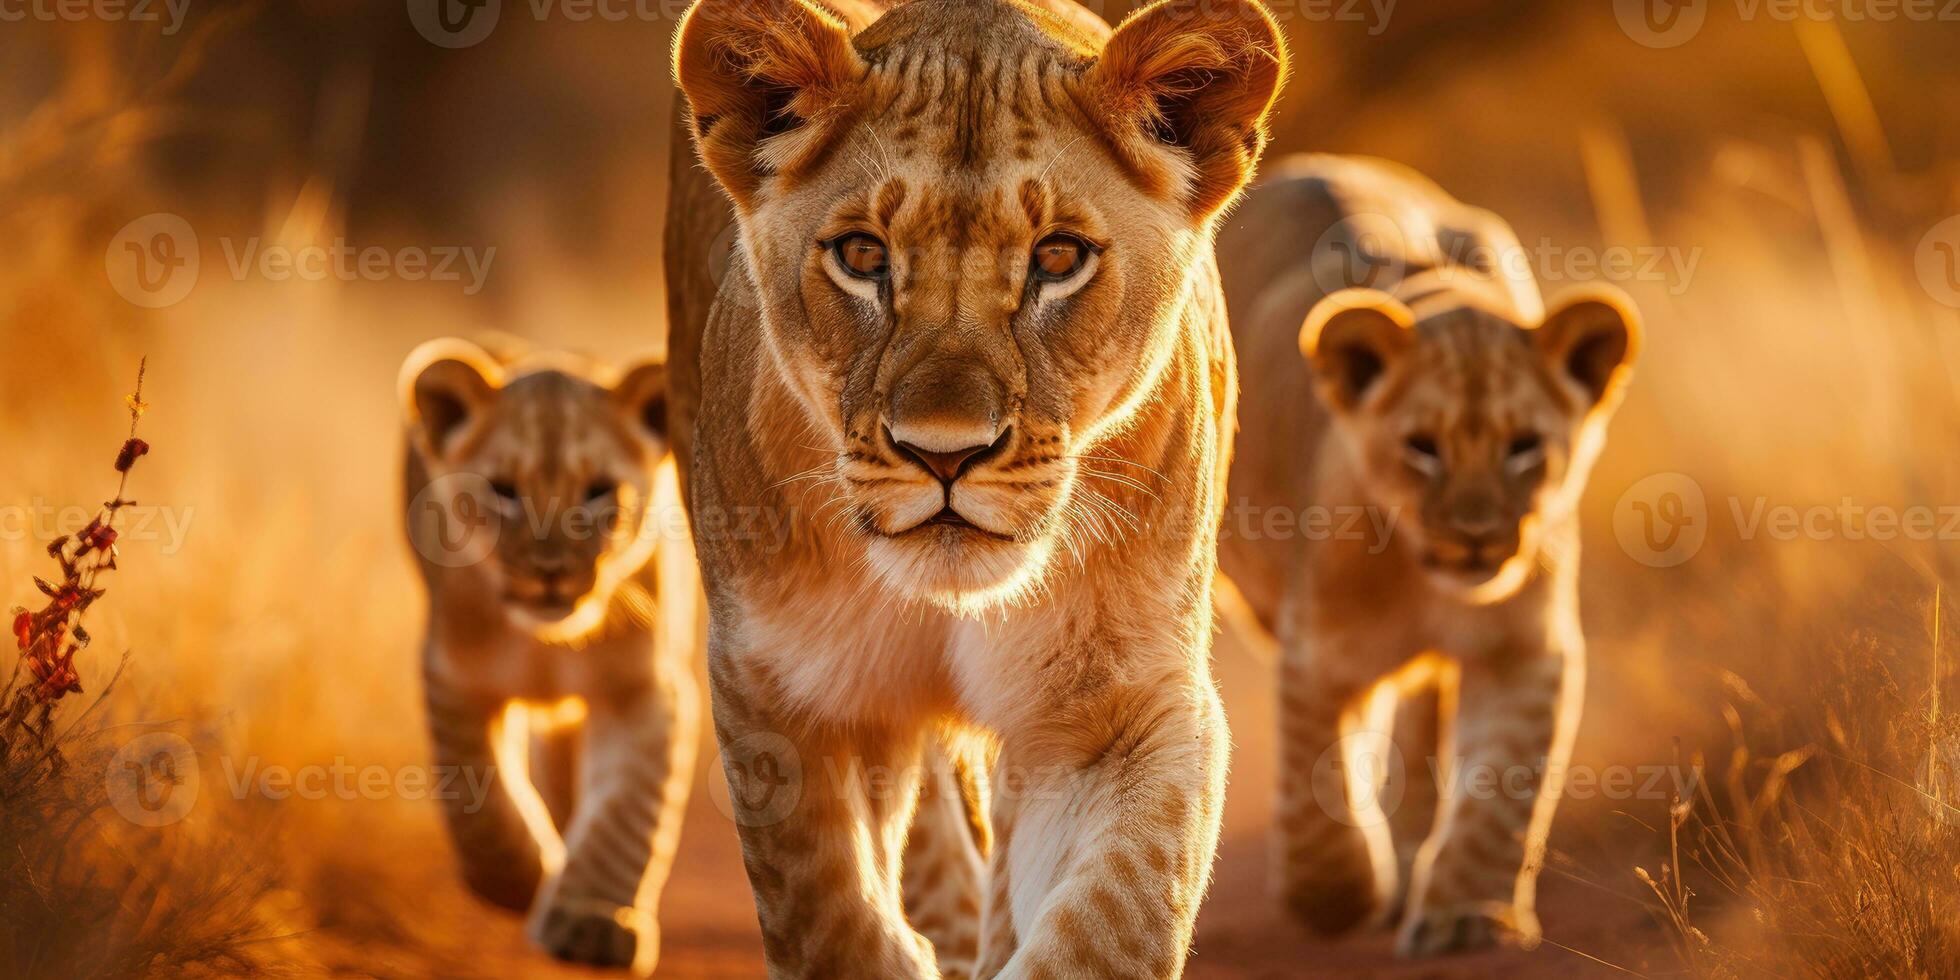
599,933
1465,927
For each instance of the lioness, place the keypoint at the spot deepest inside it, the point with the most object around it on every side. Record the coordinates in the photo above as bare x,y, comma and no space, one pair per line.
536,506
1437,397
972,352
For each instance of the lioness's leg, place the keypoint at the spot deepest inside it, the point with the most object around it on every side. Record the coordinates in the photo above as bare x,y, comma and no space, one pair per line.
945,859
1111,821
634,773
1336,861
823,817
499,857
1476,879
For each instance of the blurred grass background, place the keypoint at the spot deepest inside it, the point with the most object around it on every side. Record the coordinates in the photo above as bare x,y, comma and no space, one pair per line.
1804,362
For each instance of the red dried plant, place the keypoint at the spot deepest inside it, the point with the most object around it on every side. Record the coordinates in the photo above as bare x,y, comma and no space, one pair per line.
49,638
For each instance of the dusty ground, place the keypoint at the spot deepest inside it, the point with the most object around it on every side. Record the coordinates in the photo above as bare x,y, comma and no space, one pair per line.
709,927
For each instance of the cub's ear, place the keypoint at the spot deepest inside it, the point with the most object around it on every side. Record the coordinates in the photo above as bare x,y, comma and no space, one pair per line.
763,79
1591,338
1197,78
1350,338
447,388
641,397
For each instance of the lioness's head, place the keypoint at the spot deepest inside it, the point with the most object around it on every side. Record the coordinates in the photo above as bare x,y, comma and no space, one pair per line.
550,465
972,229
1481,429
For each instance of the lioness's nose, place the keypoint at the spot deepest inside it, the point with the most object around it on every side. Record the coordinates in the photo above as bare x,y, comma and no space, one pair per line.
947,465
944,414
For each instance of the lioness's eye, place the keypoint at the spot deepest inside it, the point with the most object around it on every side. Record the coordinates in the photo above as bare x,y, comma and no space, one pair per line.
504,490
861,255
1525,445
1422,446
599,490
1058,257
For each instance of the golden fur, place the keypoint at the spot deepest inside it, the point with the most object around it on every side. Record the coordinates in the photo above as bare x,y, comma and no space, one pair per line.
546,527
1438,400
999,494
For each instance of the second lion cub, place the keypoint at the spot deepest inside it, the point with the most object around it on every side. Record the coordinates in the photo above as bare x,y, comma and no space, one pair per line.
1439,398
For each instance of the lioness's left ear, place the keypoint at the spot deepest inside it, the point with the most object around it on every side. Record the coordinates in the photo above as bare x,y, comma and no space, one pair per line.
1591,338
641,396
762,80
1197,78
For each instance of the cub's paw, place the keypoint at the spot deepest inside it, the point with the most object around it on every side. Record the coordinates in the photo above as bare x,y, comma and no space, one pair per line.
1465,927
598,933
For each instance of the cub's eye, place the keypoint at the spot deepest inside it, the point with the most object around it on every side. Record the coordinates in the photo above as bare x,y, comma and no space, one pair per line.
505,490
599,490
861,255
1525,445
1422,446
1058,257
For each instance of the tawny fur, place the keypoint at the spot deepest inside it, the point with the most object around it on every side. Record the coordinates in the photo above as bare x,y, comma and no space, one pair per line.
1403,516
1066,624
560,583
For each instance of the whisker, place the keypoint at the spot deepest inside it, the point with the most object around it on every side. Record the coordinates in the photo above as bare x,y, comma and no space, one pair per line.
1120,479
1126,462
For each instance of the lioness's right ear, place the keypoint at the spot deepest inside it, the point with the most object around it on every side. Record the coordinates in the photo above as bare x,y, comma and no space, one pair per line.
447,387
762,78
1350,338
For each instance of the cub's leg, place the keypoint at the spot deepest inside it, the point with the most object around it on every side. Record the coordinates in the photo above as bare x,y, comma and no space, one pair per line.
1108,819
1336,860
554,770
635,768
499,857
1419,750
945,857
823,819
1476,878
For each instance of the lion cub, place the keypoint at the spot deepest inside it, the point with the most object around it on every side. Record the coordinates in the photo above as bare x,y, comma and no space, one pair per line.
1440,402
538,504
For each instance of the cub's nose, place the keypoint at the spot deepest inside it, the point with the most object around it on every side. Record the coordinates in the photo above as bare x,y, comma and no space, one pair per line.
946,464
